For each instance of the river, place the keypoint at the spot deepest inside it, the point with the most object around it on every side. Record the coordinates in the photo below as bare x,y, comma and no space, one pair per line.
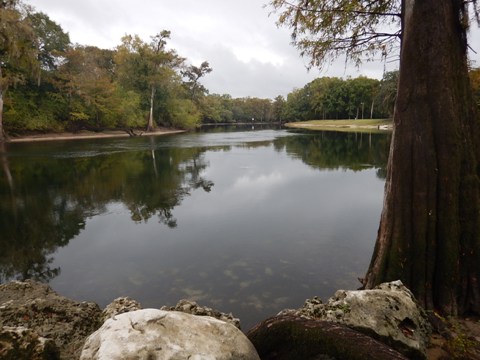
248,221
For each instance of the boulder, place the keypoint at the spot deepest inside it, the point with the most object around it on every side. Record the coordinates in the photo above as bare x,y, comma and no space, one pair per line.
159,334
191,307
119,306
37,307
287,337
19,343
388,312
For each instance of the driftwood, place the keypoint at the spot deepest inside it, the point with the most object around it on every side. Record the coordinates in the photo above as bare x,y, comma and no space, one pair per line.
291,337
132,133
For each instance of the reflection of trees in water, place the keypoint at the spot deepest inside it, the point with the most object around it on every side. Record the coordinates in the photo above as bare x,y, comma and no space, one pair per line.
33,226
339,150
44,202
234,127
157,190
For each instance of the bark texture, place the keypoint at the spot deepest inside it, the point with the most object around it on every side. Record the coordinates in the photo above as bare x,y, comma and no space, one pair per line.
2,132
430,226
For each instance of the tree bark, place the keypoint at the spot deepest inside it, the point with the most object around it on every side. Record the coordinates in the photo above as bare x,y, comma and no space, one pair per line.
2,132
429,234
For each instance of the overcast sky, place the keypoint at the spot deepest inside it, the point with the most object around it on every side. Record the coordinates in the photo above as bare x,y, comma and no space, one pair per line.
249,55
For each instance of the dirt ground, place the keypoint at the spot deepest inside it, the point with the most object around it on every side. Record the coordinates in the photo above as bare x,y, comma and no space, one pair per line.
456,338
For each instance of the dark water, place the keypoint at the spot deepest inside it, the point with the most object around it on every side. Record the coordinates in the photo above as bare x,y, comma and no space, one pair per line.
248,222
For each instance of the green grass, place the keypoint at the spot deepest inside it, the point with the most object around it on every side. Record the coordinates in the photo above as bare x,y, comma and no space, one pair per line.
370,125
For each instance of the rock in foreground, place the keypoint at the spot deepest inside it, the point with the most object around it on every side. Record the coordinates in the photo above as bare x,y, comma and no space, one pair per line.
191,307
119,306
18,343
37,307
287,337
158,334
389,313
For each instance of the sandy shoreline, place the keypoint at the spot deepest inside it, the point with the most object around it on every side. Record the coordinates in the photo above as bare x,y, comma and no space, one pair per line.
88,135
339,127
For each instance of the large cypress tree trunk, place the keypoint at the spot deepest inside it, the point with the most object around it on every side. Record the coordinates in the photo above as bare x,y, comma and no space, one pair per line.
429,234
2,132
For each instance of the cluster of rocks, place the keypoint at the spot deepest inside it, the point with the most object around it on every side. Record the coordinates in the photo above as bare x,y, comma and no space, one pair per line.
383,323
119,306
35,313
388,313
191,307
17,342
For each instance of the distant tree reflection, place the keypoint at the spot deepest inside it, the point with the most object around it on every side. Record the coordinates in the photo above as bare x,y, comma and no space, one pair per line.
53,196
45,200
339,150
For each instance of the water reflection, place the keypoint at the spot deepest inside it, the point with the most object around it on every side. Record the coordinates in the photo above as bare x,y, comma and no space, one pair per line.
249,222
335,150
53,197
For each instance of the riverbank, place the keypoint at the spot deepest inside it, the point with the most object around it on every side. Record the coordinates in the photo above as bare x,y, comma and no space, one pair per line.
84,134
374,125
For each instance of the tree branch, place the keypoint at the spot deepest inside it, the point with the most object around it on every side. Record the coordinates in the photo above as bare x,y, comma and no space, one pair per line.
342,11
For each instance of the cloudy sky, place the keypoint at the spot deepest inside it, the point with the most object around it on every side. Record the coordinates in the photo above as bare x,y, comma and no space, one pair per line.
249,55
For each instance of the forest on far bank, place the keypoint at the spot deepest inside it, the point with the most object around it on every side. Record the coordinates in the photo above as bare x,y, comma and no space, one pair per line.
49,84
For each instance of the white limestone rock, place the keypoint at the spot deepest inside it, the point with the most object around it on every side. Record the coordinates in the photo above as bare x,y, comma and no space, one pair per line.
157,334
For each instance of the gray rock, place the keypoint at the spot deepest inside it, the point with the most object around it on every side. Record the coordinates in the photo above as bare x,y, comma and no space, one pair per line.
158,334
37,307
119,306
389,313
191,307
21,343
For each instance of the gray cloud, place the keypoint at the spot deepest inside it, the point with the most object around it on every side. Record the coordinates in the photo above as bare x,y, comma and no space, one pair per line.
249,55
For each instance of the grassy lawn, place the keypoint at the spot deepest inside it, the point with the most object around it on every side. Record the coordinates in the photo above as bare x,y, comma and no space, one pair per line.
369,125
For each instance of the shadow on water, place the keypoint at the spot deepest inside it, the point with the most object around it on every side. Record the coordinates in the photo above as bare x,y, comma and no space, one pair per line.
239,251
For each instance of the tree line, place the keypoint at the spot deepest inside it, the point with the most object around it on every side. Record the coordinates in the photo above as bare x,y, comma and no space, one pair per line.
49,84
322,98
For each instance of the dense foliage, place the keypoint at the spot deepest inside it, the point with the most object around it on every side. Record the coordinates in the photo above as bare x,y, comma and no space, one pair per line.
49,84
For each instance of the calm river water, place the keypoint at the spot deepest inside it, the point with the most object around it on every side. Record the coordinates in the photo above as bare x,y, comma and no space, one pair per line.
245,221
